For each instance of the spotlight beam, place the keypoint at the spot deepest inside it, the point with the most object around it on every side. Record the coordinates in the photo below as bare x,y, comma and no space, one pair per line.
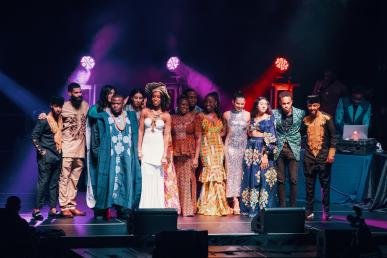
22,97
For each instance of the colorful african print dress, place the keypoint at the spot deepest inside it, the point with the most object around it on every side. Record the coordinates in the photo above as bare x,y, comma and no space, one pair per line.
184,147
212,200
259,186
171,191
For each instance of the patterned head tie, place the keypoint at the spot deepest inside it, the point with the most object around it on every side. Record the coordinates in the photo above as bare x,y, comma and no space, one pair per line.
159,87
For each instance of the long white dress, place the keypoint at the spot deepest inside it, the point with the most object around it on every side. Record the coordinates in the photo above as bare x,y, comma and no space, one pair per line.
152,193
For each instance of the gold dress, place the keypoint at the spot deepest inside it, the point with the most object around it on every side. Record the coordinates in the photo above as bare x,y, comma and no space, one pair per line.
212,200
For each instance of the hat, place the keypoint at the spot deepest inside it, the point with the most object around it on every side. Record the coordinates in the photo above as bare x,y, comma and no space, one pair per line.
57,100
311,99
160,87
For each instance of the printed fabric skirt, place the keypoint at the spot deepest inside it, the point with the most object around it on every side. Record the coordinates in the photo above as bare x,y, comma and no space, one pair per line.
259,186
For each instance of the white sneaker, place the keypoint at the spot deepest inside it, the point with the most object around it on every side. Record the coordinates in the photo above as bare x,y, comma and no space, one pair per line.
310,216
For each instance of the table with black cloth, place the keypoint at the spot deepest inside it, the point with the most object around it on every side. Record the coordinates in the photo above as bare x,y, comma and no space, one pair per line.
376,184
348,179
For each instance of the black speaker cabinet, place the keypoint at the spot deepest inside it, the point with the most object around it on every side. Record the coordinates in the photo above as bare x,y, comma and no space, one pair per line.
152,221
280,220
181,243
335,240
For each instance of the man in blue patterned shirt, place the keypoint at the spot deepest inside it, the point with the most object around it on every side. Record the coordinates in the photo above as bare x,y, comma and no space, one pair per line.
288,122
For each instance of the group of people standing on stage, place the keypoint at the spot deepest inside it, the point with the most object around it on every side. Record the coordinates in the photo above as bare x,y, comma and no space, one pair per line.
139,155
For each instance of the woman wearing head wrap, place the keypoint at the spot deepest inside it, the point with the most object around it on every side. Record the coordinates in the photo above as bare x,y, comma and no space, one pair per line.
153,138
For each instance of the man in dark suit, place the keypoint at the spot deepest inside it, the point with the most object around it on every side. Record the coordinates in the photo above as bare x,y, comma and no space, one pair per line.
47,139
288,122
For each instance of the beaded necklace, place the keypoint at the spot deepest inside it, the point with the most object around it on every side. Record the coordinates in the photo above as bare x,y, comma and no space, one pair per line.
120,128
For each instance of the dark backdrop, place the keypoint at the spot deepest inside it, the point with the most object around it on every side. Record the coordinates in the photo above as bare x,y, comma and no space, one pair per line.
231,42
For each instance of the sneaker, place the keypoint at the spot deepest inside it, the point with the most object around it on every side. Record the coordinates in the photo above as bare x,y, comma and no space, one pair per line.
53,214
36,215
309,216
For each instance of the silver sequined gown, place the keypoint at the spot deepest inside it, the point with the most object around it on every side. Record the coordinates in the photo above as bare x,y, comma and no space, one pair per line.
235,146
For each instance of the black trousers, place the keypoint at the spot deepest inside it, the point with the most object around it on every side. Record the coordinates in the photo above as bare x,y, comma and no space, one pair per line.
285,160
48,180
313,169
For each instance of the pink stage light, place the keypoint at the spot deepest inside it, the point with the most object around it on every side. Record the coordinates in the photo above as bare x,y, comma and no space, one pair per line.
87,62
281,64
82,76
173,63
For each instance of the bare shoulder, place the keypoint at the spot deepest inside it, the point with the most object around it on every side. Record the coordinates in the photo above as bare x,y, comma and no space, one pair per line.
226,115
247,115
166,115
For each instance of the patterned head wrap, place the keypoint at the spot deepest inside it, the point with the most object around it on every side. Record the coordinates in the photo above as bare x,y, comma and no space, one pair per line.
159,87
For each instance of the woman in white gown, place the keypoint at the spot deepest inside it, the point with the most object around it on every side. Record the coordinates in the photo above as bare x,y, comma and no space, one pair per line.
153,137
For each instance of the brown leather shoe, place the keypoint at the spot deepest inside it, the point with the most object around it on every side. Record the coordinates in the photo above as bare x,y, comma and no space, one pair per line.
67,214
77,212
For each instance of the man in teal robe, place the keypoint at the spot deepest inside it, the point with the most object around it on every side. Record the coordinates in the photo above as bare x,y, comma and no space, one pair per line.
288,123
353,110
116,181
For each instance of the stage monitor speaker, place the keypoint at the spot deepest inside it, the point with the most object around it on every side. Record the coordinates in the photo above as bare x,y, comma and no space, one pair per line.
181,243
152,221
335,240
280,220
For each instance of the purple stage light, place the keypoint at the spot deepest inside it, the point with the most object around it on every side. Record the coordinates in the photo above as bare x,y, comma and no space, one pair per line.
87,62
173,63
82,76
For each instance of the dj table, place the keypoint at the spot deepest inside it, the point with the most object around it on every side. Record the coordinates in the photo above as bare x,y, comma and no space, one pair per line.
348,178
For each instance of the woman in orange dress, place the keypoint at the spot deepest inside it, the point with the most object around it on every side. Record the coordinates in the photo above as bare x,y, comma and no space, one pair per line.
212,200
185,136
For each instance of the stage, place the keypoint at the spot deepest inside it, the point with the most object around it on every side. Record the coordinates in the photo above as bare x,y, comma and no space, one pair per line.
228,236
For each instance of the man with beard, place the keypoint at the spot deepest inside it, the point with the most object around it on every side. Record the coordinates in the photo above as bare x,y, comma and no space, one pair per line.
118,181
47,139
192,100
319,154
73,149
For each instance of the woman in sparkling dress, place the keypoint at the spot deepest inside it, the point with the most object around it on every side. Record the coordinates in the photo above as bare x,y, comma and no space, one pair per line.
236,121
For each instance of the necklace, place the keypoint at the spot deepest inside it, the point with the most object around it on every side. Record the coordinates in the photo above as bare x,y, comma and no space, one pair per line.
123,121
155,116
236,111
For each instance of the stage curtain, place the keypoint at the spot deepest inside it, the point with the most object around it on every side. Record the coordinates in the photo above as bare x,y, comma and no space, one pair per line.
376,185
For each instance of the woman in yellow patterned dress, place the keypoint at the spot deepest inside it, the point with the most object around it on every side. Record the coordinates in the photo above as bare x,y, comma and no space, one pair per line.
212,200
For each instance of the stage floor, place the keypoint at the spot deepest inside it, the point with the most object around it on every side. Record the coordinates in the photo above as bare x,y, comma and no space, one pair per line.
229,236
225,225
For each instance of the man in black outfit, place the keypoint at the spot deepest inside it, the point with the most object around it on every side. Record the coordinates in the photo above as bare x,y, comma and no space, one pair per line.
47,139
319,154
